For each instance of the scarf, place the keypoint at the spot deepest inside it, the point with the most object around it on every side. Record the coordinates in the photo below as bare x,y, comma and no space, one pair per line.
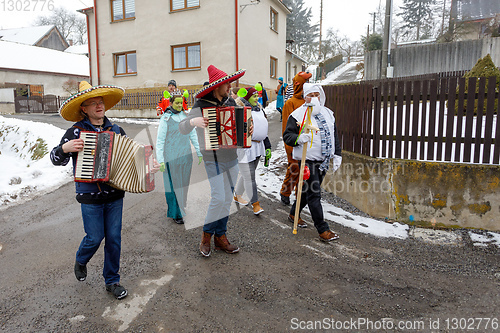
326,141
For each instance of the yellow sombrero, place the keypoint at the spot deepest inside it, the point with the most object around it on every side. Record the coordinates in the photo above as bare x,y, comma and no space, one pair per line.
70,109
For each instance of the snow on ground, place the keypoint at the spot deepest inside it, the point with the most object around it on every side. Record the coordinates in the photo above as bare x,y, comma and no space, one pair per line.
22,174
23,178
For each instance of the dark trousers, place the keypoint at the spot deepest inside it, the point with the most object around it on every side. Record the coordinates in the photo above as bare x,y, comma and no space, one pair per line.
311,196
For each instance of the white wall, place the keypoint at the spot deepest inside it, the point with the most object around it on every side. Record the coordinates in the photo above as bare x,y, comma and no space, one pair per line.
52,83
7,95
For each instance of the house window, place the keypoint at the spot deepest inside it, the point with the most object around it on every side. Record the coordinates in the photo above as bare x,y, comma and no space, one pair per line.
183,4
186,56
122,9
273,22
125,63
273,67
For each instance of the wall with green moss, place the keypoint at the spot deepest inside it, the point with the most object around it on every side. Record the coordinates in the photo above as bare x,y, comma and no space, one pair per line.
421,193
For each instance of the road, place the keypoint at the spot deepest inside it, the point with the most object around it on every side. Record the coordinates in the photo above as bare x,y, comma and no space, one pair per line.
279,282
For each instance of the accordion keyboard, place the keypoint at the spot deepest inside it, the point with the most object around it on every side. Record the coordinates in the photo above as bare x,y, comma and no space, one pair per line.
84,168
211,135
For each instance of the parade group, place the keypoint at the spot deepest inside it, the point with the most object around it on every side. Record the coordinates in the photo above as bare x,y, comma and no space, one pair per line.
302,107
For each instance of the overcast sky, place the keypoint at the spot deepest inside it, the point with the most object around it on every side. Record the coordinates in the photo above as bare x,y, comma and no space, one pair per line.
350,17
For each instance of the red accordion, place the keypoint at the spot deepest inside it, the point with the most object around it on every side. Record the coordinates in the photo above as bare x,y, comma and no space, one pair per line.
227,127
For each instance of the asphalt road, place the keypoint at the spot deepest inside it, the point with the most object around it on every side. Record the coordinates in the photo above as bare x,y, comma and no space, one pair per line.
279,282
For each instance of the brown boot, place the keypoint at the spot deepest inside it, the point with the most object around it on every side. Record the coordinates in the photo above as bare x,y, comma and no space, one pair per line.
205,244
221,243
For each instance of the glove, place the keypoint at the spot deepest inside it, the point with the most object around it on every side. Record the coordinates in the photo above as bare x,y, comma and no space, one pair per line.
159,111
303,138
337,160
268,153
162,167
200,159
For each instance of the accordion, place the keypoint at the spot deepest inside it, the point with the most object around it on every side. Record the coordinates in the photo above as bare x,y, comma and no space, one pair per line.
227,127
115,159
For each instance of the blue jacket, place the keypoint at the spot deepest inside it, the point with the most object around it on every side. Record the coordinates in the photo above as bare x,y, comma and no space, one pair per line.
87,192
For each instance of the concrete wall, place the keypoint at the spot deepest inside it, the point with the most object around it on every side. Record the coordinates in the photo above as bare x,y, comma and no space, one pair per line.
434,58
7,108
441,194
133,113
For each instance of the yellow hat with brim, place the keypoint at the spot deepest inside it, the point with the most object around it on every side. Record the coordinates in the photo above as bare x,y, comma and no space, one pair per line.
70,109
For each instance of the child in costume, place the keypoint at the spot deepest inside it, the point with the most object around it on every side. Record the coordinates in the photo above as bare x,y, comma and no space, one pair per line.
248,158
173,152
164,102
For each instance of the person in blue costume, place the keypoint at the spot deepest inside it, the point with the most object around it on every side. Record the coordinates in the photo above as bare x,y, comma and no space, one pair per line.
173,152
280,92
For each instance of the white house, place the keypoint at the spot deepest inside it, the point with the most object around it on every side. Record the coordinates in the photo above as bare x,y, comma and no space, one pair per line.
145,44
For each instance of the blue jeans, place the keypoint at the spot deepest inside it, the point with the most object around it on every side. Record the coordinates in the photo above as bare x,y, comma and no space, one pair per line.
102,221
222,178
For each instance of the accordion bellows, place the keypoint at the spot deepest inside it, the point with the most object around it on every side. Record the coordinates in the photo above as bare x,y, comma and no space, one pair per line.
117,160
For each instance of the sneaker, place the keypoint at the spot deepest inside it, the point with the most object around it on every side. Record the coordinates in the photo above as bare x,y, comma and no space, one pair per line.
300,222
117,290
328,236
257,209
80,271
285,200
239,200
179,220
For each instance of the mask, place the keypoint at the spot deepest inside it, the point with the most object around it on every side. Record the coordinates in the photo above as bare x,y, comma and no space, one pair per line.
315,101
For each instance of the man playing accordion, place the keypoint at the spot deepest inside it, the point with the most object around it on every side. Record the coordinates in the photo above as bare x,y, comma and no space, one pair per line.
101,204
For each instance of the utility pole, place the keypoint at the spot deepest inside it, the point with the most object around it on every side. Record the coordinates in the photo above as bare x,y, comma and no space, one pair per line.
373,27
320,28
442,23
387,38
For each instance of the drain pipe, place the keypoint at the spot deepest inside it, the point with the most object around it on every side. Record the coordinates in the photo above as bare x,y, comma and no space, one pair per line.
235,34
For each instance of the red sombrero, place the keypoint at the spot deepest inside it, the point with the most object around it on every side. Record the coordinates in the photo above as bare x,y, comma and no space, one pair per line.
216,77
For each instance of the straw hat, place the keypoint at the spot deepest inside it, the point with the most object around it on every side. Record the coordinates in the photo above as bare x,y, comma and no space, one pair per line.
216,78
70,109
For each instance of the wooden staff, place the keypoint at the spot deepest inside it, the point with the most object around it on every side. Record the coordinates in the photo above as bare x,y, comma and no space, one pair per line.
307,127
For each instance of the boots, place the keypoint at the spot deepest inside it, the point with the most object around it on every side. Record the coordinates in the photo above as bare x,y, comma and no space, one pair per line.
221,243
257,209
239,199
205,244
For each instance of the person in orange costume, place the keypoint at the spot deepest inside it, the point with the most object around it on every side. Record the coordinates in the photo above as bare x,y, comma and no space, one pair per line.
292,171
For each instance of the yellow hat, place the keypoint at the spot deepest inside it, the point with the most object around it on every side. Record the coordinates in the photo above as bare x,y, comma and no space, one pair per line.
70,109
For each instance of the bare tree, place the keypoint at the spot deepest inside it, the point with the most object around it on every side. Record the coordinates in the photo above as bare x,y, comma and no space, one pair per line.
70,24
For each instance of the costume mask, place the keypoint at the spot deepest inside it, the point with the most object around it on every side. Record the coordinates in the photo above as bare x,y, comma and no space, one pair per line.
253,100
177,104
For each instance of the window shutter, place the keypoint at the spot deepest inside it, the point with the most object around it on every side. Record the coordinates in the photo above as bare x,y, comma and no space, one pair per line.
193,3
177,4
129,8
117,10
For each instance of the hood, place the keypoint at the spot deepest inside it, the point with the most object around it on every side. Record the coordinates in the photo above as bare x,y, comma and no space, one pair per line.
298,83
315,87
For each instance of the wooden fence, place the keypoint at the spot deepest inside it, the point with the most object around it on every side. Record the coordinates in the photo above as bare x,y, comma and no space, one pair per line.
38,104
417,119
146,100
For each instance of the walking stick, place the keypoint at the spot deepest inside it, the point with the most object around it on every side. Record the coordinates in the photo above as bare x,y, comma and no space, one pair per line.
305,128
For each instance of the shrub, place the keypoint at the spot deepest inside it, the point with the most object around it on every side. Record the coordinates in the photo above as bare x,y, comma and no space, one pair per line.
483,68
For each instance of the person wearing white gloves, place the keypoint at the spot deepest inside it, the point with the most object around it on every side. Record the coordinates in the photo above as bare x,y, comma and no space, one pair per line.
323,146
